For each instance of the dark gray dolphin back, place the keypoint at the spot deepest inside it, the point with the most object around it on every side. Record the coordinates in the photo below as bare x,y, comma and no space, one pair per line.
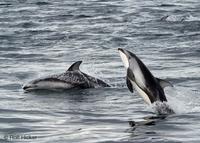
90,82
95,82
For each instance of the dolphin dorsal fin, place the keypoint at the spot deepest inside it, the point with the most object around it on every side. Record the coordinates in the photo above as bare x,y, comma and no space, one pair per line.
164,83
74,66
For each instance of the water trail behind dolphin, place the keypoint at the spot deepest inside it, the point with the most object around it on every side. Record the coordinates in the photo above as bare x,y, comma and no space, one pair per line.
173,106
179,102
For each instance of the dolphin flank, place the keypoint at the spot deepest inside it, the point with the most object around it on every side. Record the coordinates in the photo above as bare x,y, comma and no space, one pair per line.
72,78
142,80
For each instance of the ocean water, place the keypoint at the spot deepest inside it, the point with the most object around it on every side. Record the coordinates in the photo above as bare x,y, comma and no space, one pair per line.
44,37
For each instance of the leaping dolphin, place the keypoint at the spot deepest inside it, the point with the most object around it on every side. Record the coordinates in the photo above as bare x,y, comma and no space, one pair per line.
72,78
141,79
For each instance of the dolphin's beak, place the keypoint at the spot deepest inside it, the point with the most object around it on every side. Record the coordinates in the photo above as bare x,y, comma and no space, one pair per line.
124,57
28,87
120,49
25,87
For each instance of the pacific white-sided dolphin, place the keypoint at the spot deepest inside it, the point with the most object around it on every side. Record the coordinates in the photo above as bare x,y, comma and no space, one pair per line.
141,79
72,78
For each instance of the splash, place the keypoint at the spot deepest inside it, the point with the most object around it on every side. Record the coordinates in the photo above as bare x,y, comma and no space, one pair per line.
181,100
162,108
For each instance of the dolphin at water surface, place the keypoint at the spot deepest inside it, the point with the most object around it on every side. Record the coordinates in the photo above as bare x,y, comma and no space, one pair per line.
142,80
72,78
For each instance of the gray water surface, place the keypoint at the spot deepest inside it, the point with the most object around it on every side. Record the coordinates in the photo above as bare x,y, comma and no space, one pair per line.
39,38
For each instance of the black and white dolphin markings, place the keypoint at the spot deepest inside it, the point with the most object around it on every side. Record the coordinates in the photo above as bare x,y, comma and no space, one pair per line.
141,79
72,78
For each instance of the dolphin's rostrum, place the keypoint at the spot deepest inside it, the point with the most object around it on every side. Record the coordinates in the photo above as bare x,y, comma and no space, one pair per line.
140,78
72,78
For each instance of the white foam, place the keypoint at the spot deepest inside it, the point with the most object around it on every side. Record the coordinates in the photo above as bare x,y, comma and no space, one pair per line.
182,101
